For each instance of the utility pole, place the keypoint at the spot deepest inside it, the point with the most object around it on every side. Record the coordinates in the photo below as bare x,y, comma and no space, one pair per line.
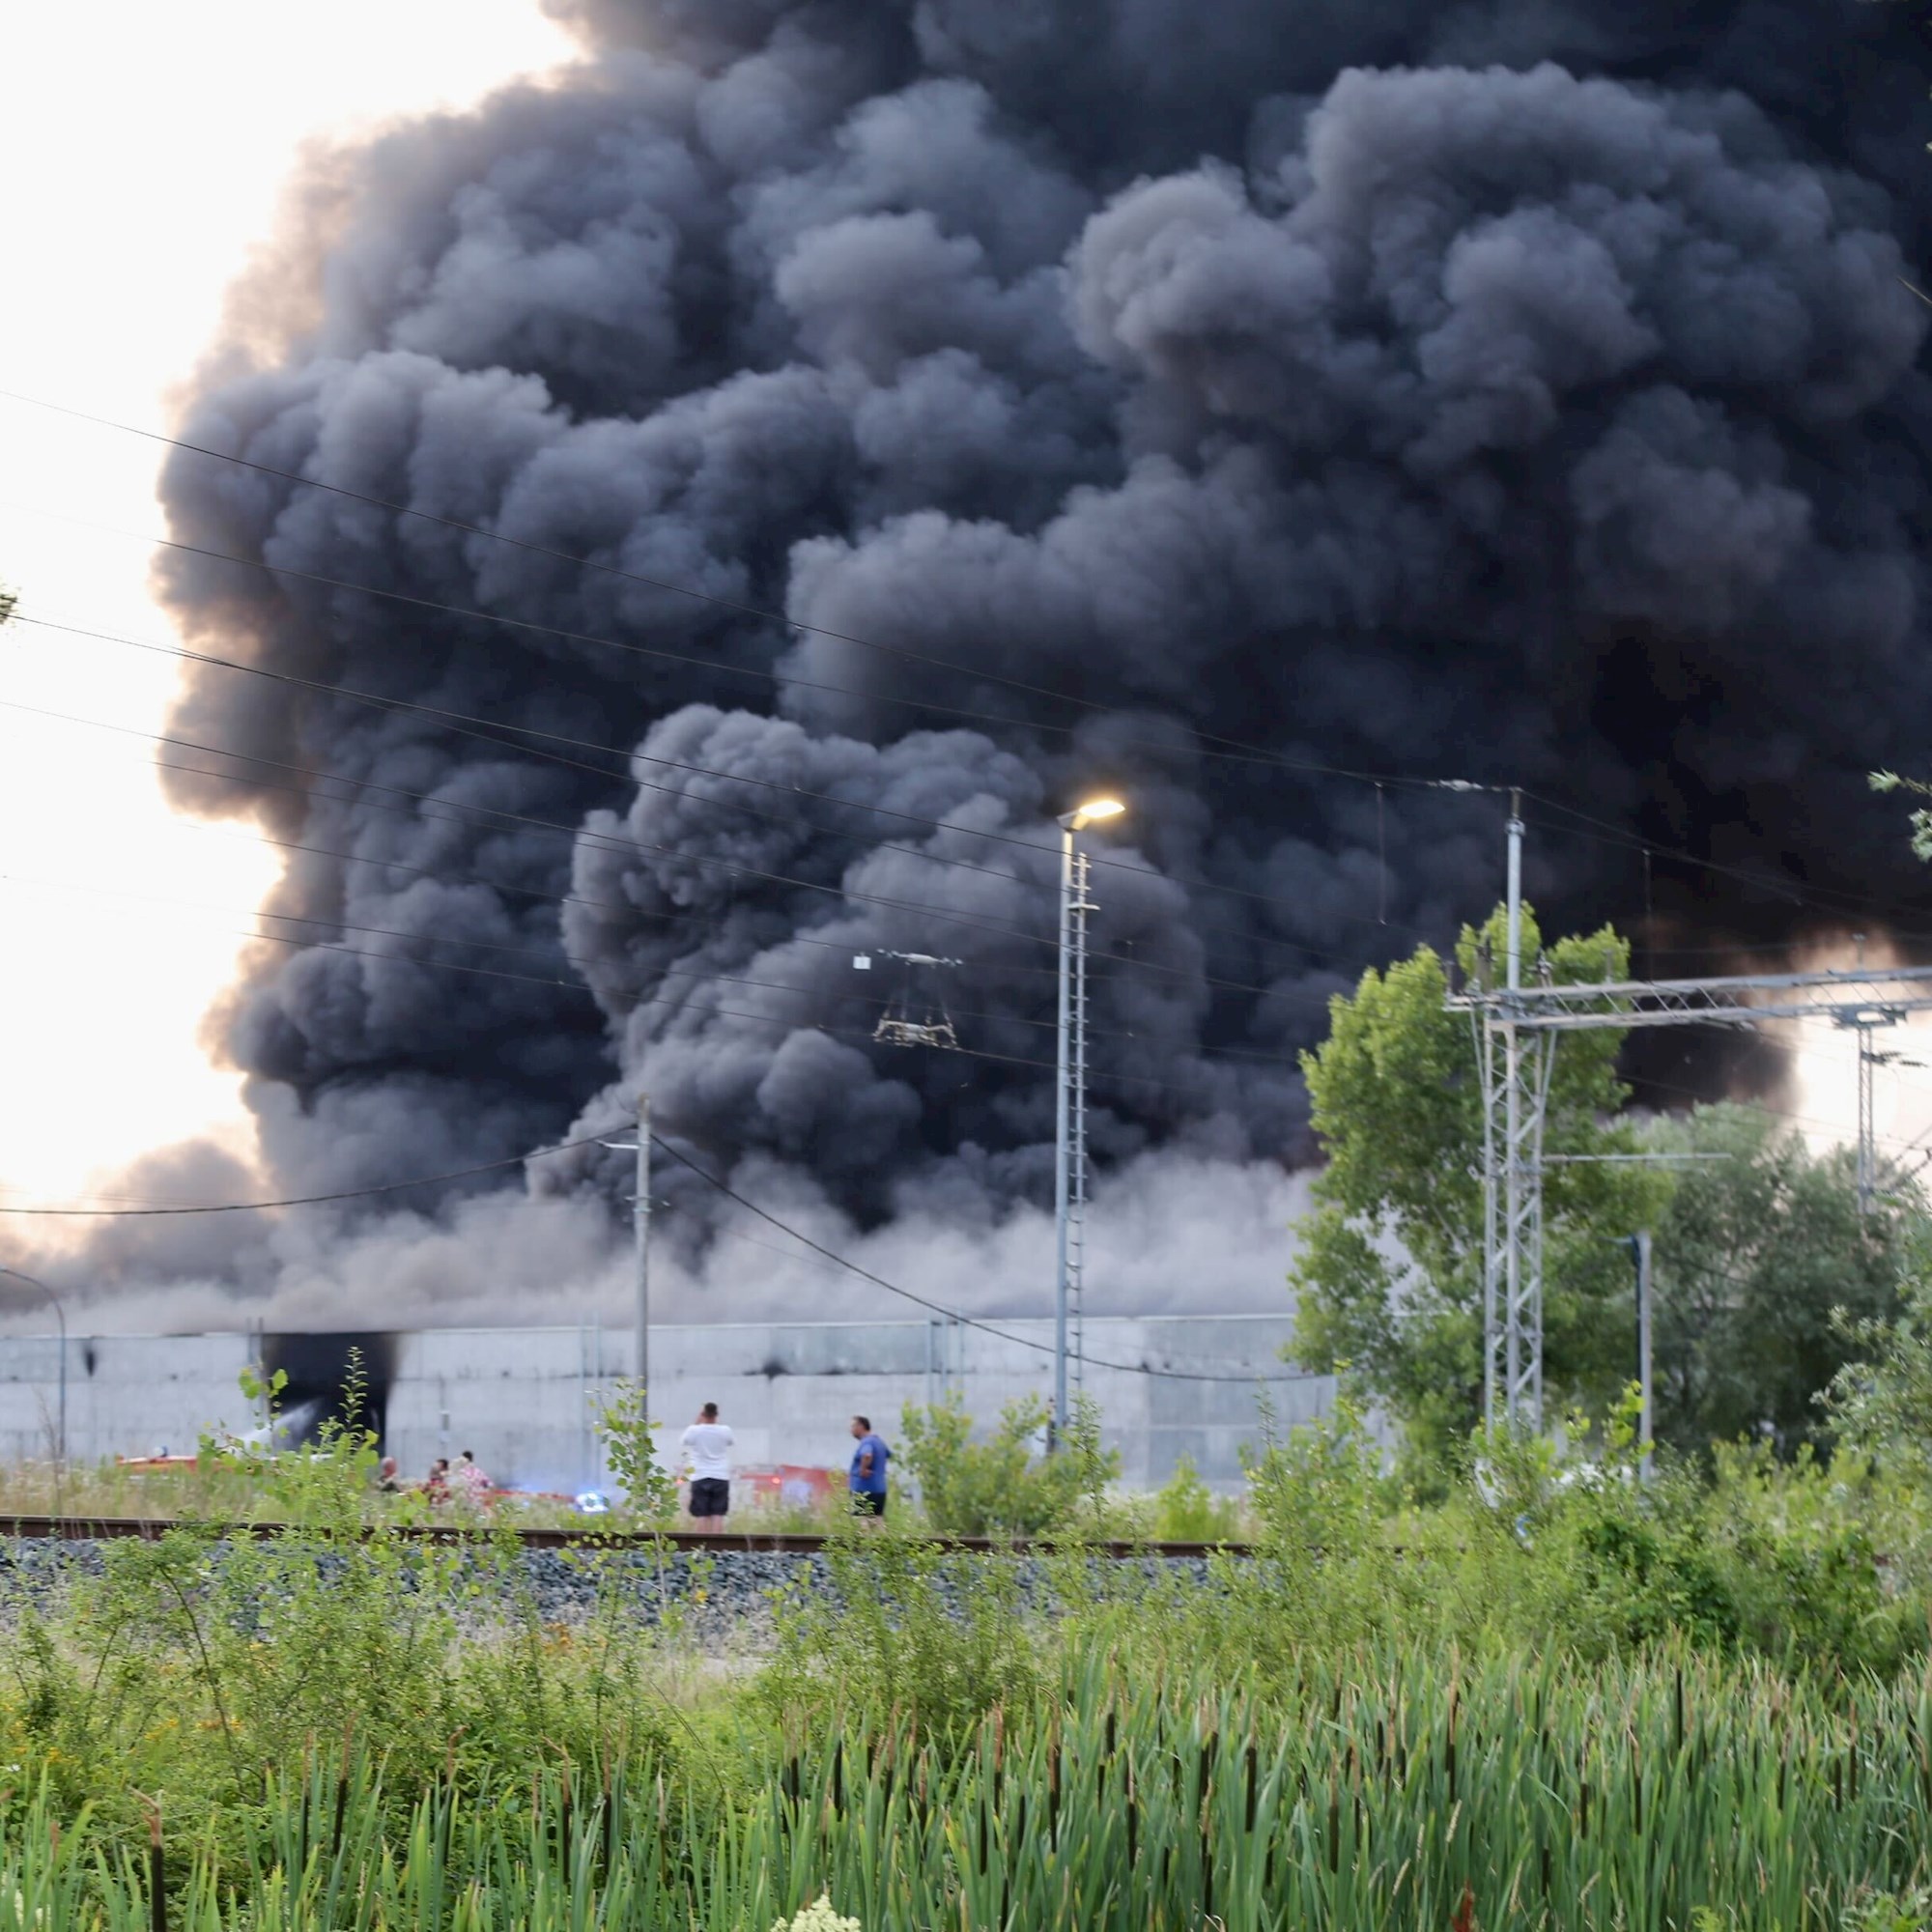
1513,1108
1063,1140
1075,1263
1639,1246
641,1223
641,1229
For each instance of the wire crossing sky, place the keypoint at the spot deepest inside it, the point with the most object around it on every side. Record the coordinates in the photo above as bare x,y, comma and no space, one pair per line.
701,515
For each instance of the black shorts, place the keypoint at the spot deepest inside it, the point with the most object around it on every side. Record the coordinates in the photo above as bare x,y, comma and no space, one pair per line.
868,1502
710,1495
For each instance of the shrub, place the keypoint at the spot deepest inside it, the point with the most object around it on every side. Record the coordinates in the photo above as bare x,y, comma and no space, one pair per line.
1185,1510
906,1625
1000,1486
1756,1556
1326,1567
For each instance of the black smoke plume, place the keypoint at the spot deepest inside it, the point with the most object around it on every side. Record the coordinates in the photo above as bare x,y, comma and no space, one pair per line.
1513,390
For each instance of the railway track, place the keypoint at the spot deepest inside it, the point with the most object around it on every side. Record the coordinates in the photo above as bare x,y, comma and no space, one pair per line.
781,1542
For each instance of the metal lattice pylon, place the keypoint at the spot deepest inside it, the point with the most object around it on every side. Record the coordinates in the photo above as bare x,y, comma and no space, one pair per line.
1078,907
1517,1031
1516,1074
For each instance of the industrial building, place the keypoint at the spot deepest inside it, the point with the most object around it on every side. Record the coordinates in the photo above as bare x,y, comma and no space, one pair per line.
524,1399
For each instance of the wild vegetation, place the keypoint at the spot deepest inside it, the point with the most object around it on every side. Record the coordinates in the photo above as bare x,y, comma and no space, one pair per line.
1765,1259
1554,1682
1560,1695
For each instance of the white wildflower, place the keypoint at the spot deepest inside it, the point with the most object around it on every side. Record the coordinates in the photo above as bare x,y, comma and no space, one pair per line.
819,1918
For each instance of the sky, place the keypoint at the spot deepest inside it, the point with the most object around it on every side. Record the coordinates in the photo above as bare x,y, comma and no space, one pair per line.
145,149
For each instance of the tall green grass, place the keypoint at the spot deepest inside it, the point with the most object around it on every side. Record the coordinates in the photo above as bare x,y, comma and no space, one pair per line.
1388,1788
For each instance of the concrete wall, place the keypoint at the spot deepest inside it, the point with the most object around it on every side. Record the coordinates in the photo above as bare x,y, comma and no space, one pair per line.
126,1394
523,1398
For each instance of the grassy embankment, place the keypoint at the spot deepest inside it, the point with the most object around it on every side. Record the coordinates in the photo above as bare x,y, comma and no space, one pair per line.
1703,1703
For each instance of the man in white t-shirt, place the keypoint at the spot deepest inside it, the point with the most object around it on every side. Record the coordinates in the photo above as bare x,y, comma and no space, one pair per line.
707,1449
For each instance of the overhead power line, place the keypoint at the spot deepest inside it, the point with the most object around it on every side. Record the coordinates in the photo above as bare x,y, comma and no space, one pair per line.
630,911
314,1200
953,1314
578,988
1221,750
485,729
738,607
1608,832
451,810
801,1024
1210,745
729,1193
1823,899
703,976
654,915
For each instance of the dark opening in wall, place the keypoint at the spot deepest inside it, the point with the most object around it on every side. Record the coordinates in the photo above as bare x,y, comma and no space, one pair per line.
318,1371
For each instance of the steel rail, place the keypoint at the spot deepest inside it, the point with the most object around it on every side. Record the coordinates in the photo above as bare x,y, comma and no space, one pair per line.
16,1526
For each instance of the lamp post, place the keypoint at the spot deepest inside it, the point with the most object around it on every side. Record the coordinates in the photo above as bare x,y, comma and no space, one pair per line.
60,1315
1069,1139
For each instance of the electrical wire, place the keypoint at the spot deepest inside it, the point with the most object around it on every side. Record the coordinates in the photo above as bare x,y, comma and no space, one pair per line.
736,606
1224,747
1606,833
1212,980
447,877
1101,1076
496,814
630,911
485,729
704,975
315,1200
604,841
1227,746
1764,1107
590,1140
1246,755
953,1314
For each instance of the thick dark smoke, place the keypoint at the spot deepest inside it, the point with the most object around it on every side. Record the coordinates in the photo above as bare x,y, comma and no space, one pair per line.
1515,391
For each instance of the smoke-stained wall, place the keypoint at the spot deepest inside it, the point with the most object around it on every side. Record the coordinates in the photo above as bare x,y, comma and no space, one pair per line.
1513,392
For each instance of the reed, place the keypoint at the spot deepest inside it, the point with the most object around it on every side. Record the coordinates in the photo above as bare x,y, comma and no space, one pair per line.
1393,1787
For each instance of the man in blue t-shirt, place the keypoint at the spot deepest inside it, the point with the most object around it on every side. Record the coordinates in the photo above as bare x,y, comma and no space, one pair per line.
868,1469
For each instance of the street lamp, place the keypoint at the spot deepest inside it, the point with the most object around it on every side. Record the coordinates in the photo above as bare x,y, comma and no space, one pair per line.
60,1315
1069,1139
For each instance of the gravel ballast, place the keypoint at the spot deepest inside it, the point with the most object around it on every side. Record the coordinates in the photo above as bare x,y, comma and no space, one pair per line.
714,1591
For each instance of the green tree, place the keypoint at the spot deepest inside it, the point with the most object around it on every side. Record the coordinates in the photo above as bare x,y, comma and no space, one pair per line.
1389,1278
1760,1257
1881,1400
1922,818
